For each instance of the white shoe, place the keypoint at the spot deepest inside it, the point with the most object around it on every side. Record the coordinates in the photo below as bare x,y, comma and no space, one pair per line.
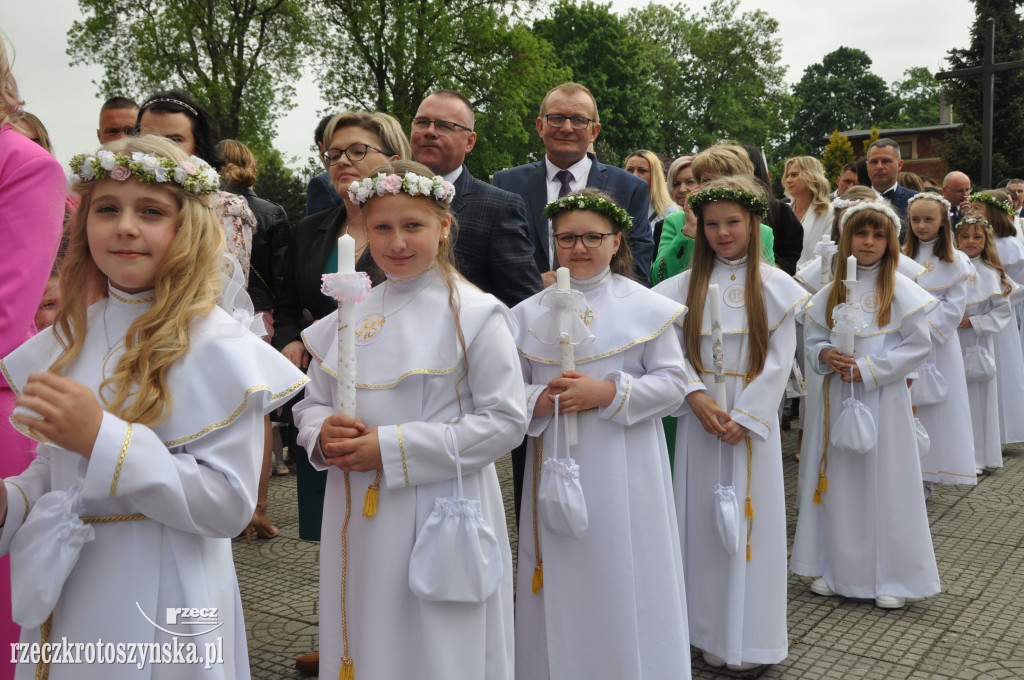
713,661
819,587
929,487
889,602
745,666
979,472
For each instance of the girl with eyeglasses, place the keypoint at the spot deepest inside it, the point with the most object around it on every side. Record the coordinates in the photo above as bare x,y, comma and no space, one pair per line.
626,379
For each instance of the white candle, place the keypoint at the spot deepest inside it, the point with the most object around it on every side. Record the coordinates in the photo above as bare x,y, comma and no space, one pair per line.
826,240
568,353
851,268
346,389
717,348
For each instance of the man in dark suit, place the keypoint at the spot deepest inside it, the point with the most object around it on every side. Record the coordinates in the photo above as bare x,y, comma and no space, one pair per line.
320,193
492,246
884,162
568,124
956,188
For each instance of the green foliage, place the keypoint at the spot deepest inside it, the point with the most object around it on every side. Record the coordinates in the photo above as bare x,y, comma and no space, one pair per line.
915,100
601,53
840,92
872,138
278,183
238,58
837,154
717,75
963,150
388,55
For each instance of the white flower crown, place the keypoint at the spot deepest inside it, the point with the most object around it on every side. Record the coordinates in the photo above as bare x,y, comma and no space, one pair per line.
931,196
194,175
877,206
415,185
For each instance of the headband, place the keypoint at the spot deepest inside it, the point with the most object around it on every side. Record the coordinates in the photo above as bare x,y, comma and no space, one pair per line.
168,100
753,203
840,203
931,197
415,185
877,206
619,217
194,175
974,220
985,197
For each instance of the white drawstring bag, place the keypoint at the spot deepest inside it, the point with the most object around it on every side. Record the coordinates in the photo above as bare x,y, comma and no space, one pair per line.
979,366
456,557
854,431
560,500
930,387
727,510
924,441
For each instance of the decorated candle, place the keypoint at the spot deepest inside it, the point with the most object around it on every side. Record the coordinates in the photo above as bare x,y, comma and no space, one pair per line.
717,349
568,353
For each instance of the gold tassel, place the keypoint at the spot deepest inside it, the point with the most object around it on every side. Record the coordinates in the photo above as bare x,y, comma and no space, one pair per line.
750,508
538,579
347,671
817,497
748,551
823,483
370,502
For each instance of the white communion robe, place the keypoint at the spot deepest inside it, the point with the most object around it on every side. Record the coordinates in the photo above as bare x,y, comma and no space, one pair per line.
870,535
1009,358
950,457
613,602
989,312
194,477
810,278
738,607
412,380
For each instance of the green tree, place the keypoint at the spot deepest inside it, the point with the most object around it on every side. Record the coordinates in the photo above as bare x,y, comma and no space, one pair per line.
837,154
963,150
602,54
276,182
915,100
840,92
387,55
717,74
873,137
238,58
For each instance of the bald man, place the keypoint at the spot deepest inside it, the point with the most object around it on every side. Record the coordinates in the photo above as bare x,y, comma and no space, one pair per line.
956,188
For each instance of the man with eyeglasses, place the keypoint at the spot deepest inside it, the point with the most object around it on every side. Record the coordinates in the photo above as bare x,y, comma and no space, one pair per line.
568,124
492,244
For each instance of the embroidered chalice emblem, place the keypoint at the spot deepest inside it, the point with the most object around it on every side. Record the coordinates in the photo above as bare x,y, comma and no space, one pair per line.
869,301
589,316
929,267
369,328
735,296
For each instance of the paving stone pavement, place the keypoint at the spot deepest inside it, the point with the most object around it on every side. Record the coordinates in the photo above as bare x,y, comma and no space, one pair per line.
973,630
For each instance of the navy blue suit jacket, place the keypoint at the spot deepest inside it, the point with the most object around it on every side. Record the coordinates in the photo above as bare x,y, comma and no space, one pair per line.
320,194
530,182
899,204
492,242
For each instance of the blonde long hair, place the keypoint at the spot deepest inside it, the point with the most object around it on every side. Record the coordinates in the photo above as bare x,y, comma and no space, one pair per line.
658,188
700,274
10,100
445,256
187,285
813,174
885,283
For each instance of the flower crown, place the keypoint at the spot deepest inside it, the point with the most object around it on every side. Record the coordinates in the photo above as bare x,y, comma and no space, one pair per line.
411,183
986,197
753,203
877,206
619,217
929,196
974,220
840,203
194,175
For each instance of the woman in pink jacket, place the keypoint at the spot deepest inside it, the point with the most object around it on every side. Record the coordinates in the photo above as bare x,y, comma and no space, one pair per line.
32,188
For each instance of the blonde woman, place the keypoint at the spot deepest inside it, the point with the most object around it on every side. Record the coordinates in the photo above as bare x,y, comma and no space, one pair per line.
807,188
647,166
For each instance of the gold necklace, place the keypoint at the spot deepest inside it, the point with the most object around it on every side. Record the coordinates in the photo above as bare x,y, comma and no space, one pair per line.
731,266
372,325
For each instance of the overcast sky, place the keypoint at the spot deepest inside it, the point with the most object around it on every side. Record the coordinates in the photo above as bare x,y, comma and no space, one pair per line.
65,98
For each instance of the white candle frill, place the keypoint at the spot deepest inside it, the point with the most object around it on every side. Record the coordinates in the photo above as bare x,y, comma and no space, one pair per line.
847,315
348,287
825,249
563,325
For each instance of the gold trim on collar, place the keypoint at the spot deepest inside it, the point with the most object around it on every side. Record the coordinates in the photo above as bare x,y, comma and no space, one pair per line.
401,450
429,371
614,351
130,301
629,384
426,271
8,379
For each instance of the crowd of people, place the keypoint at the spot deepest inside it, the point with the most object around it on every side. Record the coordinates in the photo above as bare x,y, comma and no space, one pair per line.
639,339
